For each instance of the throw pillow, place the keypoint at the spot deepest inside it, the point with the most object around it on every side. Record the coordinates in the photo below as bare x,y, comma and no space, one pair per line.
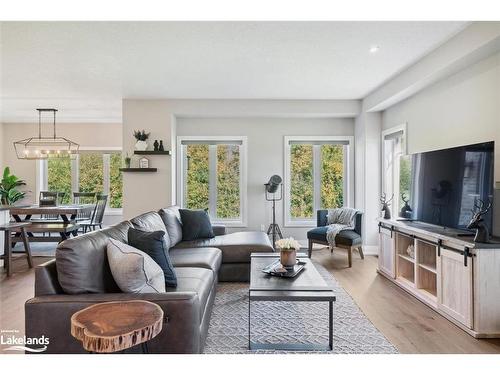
195,224
155,245
133,270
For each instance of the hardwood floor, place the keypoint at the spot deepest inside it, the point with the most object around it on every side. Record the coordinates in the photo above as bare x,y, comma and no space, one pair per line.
410,325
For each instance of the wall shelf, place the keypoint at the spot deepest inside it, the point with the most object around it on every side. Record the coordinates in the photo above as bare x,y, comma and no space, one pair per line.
138,169
151,152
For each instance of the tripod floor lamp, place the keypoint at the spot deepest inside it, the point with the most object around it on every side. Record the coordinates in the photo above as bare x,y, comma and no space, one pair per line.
272,187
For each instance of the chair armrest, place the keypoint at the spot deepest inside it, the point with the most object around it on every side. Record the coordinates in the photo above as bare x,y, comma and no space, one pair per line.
219,229
50,316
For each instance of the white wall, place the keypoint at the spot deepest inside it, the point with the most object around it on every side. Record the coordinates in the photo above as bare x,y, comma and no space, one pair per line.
265,154
1,148
462,109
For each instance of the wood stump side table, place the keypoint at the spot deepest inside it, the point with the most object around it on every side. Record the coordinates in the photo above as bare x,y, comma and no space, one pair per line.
111,327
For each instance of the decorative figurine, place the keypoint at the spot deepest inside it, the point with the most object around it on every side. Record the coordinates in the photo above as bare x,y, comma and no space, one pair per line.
143,163
385,205
161,148
477,222
406,210
155,145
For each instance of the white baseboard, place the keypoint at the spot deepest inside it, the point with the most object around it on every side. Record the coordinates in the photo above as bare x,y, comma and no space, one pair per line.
370,250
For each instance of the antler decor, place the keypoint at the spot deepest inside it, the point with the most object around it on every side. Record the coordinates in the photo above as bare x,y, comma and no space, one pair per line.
385,205
477,221
406,209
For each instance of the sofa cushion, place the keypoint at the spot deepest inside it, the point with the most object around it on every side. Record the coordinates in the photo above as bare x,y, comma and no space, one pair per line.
172,220
133,270
150,222
236,247
155,245
82,262
344,237
195,224
201,257
198,280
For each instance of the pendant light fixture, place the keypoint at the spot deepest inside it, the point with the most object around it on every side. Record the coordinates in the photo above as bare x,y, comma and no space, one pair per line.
36,148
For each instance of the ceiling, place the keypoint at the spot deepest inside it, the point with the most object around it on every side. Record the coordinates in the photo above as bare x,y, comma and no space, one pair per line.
86,68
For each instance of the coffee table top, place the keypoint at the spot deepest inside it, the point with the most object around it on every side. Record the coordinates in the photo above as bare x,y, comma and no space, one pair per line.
308,284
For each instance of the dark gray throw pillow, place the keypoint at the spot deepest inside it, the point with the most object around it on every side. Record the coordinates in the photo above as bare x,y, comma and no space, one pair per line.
195,224
154,244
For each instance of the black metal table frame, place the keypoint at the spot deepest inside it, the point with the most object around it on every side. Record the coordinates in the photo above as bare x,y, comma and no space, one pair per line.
291,346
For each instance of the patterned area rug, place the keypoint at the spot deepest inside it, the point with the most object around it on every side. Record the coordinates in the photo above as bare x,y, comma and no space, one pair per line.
301,322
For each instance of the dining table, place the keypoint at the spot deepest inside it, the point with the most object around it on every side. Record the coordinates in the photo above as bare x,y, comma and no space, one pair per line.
60,219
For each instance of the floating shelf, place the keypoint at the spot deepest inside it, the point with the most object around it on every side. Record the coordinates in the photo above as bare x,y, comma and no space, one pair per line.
138,169
151,152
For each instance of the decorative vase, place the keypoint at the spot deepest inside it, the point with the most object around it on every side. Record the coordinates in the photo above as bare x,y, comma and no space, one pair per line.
155,145
141,145
127,163
288,258
161,148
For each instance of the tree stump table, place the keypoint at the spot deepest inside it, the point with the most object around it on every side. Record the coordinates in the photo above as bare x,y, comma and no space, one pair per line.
110,327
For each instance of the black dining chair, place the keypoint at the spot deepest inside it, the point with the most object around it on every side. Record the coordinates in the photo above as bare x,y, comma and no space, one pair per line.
84,198
97,216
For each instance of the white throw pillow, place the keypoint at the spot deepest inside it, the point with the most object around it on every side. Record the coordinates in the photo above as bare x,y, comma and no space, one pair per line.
134,271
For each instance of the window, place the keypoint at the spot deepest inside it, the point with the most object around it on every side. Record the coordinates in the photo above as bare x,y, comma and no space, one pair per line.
89,171
396,167
317,175
211,177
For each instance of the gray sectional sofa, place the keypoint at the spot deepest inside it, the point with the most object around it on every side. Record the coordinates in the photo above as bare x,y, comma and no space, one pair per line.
80,276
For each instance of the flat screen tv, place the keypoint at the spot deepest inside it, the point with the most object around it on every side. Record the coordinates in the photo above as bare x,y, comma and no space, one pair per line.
446,184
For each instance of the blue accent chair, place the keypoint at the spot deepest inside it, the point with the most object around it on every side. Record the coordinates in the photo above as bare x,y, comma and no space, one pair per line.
347,239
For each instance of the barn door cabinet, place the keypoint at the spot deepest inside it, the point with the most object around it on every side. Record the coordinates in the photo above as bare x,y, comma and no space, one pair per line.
458,278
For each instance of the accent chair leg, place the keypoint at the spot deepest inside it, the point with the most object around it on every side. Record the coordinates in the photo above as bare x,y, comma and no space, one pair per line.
310,248
349,256
360,249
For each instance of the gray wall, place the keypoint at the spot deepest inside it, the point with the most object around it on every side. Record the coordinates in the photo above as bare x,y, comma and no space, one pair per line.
463,109
265,153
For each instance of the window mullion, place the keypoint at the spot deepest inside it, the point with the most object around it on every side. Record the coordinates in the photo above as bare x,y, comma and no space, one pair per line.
106,158
75,173
316,178
212,180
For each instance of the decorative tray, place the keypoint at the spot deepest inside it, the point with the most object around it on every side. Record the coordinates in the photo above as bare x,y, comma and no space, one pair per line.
276,269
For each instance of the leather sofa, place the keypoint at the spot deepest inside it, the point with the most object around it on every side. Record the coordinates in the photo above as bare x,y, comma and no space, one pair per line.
80,276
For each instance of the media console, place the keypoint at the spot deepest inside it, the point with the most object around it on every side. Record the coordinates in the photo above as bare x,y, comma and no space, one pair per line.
450,273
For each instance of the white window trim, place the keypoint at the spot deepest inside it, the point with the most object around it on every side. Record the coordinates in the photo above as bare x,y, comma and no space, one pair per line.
404,151
348,176
180,174
42,175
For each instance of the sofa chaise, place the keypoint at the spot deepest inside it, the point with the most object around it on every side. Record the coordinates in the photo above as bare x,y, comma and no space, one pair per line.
80,276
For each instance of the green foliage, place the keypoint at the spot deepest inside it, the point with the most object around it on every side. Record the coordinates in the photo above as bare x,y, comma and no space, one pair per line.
59,177
115,182
301,181
197,196
9,193
141,135
91,173
332,176
228,181
404,177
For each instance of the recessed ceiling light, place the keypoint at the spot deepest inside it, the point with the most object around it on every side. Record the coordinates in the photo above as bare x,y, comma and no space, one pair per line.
374,49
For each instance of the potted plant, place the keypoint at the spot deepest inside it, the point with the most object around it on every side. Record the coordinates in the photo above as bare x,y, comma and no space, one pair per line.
288,251
141,136
127,159
8,188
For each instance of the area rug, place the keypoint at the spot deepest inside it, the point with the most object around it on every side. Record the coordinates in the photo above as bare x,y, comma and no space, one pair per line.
299,322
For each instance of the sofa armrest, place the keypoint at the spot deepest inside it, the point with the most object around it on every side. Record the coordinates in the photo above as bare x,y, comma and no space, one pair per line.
219,229
51,316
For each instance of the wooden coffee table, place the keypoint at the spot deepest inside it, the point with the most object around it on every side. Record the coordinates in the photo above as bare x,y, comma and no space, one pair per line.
308,285
111,327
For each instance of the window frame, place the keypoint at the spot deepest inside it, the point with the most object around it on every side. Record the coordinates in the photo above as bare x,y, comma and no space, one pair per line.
402,128
42,175
348,190
241,222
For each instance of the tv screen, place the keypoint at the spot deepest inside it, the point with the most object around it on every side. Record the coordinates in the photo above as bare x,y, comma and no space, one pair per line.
447,184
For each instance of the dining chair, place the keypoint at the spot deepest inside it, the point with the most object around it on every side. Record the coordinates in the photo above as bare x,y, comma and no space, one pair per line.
80,197
97,216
